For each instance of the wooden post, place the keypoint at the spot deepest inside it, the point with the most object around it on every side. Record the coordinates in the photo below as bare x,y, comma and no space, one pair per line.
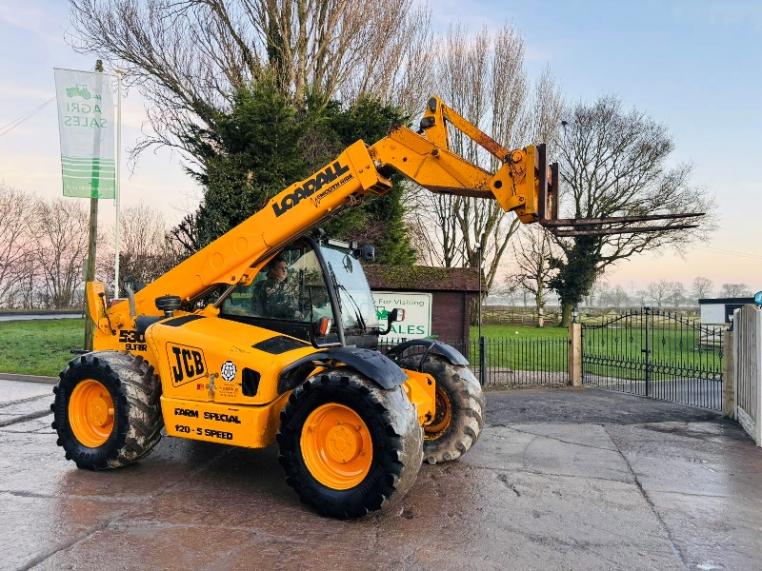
91,249
482,361
728,376
575,354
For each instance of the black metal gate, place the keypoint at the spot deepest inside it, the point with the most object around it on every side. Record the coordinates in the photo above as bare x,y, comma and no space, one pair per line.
655,353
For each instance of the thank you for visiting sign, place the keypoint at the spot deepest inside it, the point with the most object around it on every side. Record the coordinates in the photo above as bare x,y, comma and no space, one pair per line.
417,306
87,128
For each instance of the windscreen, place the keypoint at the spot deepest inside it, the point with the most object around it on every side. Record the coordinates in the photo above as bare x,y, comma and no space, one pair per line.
358,310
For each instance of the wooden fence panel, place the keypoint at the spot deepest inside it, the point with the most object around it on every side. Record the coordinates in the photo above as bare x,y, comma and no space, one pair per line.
747,358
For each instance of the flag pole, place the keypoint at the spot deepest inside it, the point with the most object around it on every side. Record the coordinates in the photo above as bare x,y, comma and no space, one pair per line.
118,225
91,244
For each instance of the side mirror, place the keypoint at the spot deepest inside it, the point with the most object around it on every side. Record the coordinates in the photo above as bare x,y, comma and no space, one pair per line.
396,314
323,326
368,252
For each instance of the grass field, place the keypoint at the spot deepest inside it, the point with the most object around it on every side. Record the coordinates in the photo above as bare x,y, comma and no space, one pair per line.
523,347
39,347
613,351
520,332
43,347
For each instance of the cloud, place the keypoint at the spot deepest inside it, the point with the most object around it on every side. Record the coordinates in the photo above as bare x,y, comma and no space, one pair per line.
742,15
43,22
533,53
24,92
21,15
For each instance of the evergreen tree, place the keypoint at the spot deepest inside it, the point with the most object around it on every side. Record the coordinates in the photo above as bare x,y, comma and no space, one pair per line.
380,219
265,143
253,155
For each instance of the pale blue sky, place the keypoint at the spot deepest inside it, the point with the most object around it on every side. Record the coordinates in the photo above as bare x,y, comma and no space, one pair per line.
693,65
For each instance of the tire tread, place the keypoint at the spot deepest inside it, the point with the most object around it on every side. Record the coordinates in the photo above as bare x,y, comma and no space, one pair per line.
468,407
400,453
136,391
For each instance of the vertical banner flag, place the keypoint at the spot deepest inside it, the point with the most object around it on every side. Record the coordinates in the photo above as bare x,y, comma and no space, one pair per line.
87,128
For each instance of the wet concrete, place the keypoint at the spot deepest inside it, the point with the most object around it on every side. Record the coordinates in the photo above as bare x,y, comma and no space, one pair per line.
11,391
560,479
22,401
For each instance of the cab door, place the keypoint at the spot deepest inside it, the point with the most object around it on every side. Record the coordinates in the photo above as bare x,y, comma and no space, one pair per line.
288,295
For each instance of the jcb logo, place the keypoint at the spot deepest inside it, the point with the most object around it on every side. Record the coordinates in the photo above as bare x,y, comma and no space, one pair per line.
187,363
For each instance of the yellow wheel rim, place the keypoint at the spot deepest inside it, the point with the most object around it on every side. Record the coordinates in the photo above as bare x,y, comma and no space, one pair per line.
336,446
442,418
91,413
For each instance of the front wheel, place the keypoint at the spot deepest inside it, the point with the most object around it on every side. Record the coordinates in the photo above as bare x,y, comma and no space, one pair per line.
107,410
459,415
348,446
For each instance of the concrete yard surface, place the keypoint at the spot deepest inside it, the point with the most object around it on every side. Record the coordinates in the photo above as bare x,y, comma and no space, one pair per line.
561,479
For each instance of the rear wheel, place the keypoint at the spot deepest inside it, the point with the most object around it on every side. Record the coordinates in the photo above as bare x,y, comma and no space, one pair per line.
106,409
459,415
348,446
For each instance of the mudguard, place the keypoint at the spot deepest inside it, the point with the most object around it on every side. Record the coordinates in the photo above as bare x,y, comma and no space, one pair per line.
453,356
374,365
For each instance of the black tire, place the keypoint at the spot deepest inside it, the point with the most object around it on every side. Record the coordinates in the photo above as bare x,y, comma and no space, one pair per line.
466,400
396,440
135,391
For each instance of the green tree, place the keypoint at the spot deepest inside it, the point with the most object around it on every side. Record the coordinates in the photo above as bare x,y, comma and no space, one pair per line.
380,219
266,143
251,155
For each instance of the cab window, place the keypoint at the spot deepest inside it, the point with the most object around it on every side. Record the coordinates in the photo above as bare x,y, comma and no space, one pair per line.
289,288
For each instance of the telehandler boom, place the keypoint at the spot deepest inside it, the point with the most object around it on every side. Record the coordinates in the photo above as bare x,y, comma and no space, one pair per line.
359,170
269,334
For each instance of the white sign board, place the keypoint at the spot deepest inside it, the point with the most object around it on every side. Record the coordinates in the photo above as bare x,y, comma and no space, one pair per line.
417,306
86,127
713,313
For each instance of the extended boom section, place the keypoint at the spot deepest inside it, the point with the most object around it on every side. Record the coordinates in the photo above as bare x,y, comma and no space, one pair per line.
423,157
426,158
288,215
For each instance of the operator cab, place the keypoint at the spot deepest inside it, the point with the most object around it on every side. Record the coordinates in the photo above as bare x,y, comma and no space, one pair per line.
303,284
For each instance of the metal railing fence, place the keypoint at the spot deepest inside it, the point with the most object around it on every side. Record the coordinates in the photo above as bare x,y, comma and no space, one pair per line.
655,353
511,362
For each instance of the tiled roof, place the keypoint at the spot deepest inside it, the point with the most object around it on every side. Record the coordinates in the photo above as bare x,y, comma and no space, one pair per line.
422,278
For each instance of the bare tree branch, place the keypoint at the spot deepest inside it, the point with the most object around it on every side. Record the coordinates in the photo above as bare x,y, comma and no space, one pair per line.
58,246
188,57
616,163
15,209
483,78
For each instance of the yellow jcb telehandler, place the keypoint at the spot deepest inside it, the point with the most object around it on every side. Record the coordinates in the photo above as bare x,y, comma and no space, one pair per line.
269,334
